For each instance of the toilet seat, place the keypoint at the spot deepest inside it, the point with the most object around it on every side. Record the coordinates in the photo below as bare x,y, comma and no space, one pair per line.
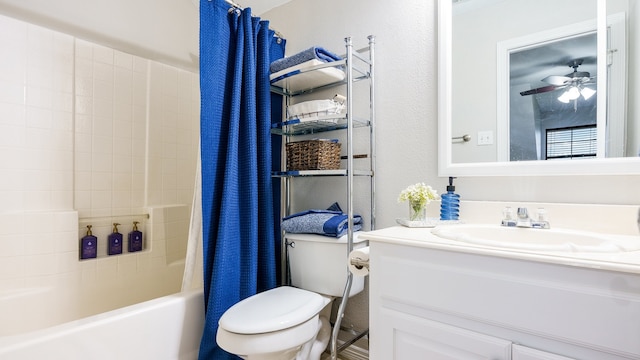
272,310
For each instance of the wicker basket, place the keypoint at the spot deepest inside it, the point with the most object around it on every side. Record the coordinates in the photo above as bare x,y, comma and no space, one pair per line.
320,154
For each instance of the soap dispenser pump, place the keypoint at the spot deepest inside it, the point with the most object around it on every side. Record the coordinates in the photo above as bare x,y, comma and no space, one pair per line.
450,203
115,241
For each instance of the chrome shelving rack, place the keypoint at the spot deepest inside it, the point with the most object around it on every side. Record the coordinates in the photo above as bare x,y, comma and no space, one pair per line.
358,66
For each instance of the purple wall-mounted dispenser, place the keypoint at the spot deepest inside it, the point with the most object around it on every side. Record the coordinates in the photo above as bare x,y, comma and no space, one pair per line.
135,238
88,245
115,241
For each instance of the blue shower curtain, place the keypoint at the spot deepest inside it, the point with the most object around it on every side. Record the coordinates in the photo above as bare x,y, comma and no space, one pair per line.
240,247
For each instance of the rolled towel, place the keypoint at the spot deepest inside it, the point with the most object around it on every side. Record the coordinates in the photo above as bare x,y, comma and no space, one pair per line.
323,222
303,56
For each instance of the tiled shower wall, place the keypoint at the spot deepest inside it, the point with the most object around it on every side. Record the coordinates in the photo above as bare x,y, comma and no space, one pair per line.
89,135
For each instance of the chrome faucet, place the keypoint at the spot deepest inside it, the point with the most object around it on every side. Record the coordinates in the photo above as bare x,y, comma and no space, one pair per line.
523,219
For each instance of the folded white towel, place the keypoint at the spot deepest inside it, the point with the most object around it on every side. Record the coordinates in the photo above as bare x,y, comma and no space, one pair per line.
314,108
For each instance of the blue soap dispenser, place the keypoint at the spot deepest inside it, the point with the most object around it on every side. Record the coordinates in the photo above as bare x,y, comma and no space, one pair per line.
450,203
135,238
115,241
88,245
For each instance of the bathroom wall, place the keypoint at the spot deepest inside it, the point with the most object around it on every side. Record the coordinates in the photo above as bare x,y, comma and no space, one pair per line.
89,135
406,111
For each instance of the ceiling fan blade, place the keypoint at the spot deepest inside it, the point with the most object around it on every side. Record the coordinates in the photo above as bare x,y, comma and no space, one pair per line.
556,79
539,90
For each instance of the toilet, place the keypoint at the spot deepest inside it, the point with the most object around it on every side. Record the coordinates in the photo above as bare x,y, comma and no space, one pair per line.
292,322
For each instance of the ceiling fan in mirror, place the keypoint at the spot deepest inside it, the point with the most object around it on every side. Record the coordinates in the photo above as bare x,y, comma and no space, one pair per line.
574,83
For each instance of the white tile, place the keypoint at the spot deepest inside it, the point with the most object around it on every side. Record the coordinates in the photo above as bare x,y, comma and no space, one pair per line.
41,265
123,85
84,85
12,179
62,199
83,76
12,245
103,90
103,109
124,113
170,80
84,105
122,147
103,54
100,200
140,65
82,202
123,60
169,159
62,160
83,49
82,180
121,199
121,164
61,180
122,128
36,180
40,74
37,200
102,162
13,33
39,117
68,261
63,121
102,72
101,181
122,181
39,38
139,94
103,140
39,96
83,125
35,159
12,92
12,200
11,137
63,82
36,244
12,268
13,67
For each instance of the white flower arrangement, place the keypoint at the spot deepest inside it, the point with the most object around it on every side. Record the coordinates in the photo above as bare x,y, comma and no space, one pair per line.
418,195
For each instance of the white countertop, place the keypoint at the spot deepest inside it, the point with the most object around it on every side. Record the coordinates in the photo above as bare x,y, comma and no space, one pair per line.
628,262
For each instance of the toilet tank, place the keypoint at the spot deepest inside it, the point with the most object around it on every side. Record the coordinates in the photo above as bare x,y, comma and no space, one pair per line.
319,263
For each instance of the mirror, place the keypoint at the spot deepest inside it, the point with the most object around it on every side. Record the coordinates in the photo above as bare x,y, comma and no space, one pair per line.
504,64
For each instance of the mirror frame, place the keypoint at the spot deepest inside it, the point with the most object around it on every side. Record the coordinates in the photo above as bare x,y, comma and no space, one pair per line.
598,166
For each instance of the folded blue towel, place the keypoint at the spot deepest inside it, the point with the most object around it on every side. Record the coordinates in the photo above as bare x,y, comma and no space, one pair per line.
317,53
323,222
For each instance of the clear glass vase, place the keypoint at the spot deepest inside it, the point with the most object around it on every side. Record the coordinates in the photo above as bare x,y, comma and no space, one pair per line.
417,211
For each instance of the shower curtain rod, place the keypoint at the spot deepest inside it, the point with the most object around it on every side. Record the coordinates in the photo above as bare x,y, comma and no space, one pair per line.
239,7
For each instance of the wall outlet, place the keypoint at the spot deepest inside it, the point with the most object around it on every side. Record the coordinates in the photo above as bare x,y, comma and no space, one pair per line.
485,137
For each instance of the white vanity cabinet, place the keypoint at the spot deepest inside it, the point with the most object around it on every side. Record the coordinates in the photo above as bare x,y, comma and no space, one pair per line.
454,302
520,352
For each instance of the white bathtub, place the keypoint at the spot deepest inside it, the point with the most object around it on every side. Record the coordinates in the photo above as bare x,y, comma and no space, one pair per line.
165,328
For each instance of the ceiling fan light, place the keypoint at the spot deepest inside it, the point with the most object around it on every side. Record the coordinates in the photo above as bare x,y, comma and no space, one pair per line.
587,93
573,93
564,98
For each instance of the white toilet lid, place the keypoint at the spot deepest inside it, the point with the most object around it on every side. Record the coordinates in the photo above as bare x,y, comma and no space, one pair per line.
272,310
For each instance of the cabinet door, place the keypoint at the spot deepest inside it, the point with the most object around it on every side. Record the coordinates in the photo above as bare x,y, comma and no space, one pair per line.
524,353
401,336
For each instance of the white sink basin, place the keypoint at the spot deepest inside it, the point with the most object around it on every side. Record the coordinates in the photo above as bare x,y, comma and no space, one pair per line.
563,240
